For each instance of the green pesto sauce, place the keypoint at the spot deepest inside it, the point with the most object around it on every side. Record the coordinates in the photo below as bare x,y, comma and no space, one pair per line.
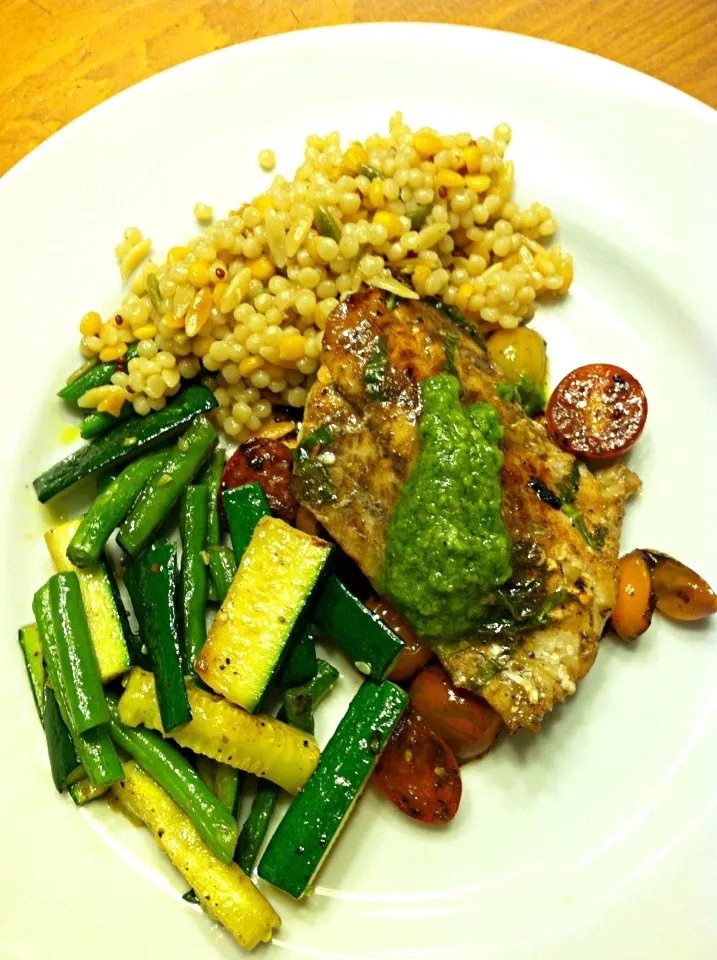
448,547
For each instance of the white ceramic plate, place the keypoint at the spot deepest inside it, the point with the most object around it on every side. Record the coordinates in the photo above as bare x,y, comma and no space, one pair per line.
597,837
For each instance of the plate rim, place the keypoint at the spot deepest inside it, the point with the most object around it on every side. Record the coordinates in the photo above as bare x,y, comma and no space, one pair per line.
639,81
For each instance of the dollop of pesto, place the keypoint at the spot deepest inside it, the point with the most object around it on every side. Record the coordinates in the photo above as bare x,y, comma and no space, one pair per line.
448,547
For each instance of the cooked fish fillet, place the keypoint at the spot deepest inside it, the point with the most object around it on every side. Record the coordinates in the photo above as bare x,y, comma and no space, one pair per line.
374,447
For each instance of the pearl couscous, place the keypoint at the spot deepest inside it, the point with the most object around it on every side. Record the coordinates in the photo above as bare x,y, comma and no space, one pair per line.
416,213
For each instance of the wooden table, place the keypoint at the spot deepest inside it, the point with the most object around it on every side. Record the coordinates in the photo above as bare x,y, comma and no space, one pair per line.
58,58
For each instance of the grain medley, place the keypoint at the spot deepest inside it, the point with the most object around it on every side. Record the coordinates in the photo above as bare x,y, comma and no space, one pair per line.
414,213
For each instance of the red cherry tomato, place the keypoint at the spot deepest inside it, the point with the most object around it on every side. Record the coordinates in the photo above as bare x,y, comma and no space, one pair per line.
598,411
267,462
418,772
466,722
415,654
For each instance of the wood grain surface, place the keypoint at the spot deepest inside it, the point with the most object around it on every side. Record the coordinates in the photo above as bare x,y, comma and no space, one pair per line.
58,58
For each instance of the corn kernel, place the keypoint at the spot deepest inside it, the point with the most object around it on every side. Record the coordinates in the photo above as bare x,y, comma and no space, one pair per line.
250,365
353,157
566,272
375,194
479,182
465,292
323,375
91,324
108,354
176,254
449,179
472,157
198,273
263,203
113,401
91,398
201,345
391,222
146,332
172,321
198,312
420,276
218,294
427,144
291,347
479,249
261,269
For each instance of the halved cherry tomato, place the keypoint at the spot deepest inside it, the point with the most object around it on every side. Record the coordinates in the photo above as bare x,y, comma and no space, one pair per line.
466,722
418,772
632,613
415,654
681,593
267,462
597,411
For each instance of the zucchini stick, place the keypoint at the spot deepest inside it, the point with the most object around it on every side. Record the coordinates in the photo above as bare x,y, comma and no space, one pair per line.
165,488
360,632
301,663
105,613
257,823
125,442
110,508
193,574
151,583
223,568
166,765
32,651
315,818
244,507
258,744
81,683
223,890
269,595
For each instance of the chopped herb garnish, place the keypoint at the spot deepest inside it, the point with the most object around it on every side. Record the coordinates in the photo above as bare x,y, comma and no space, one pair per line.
311,480
596,539
457,318
153,293
368,171
391,302
450,345
568,490
564,500
326,223
374,377
419,216
529,394
321,437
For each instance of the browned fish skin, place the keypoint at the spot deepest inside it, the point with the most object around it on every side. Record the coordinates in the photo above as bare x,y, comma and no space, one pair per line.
375,446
